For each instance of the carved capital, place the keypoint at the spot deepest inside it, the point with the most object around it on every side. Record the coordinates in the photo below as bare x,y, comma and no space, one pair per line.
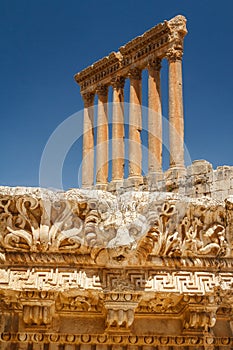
174,54
135,73
88,99
118,82
154,64
102,90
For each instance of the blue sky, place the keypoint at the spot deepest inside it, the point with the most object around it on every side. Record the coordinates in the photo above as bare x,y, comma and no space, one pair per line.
44,43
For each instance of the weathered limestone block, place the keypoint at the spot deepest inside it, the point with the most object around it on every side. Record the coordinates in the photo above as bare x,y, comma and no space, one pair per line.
199,167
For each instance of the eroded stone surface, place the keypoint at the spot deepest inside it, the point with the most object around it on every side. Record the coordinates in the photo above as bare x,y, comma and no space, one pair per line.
125,260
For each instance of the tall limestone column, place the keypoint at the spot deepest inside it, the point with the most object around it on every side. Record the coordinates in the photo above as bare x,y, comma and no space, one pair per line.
88,141
154,117
102,138
135,124
118,128
176,115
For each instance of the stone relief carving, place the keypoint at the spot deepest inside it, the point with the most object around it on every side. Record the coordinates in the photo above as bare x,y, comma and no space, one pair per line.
120,309
130,226
31,224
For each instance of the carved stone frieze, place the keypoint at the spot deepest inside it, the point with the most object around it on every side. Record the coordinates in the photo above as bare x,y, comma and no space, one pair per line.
162,303
114,229
120,259
191,341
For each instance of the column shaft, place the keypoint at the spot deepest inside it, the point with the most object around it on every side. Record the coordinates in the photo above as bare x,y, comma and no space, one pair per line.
154,117
88,141
135,124
102,137
118,129
176,116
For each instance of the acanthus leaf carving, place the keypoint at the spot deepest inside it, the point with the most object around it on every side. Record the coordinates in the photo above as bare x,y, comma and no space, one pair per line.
122,228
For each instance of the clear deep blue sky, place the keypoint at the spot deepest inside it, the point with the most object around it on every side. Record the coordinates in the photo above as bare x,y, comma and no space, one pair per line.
44,43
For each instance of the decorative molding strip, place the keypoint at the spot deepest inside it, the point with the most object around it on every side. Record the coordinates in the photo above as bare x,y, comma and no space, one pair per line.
185,282
95,339
46,279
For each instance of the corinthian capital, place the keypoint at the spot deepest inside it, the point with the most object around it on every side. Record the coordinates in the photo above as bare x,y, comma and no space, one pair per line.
88,99
102,90
154,64
118,82
174,54
135,73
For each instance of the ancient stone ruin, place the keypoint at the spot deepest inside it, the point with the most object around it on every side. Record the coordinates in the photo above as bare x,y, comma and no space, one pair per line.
136,263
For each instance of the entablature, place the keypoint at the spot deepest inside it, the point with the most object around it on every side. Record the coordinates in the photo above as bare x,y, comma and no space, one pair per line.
155,43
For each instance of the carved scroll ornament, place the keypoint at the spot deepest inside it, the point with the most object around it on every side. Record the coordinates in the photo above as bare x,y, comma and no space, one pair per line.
132,224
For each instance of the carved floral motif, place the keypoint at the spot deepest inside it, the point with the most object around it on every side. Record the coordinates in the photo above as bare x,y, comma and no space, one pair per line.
130,226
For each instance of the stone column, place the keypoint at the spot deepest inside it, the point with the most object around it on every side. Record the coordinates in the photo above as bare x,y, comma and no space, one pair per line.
154,117
102,138
88,141
135,124
118,129
176,116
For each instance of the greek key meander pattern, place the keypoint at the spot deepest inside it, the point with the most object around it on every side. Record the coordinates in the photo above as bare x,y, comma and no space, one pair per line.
177,282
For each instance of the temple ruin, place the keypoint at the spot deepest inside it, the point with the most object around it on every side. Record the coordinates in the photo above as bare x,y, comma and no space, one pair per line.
164,41
137,263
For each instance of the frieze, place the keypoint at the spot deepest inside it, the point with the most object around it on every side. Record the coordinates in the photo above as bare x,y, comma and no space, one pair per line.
55,279
193,341
101,225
